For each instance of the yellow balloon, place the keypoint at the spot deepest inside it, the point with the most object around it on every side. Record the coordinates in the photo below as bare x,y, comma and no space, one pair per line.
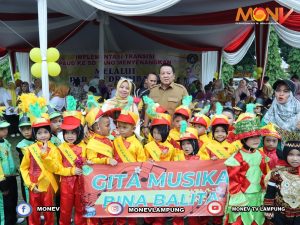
52,55
259,70
36,70
35,55
216,75
53,69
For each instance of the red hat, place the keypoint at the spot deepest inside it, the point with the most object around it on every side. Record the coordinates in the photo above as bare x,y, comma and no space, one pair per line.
162,119
201,119
70,123
184,109
128,117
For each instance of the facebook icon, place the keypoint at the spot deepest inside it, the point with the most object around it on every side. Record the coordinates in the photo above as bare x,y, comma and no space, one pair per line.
24,209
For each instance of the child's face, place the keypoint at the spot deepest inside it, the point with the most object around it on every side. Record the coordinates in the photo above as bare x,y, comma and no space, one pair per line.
237,112
201,129
253,142
229,117
55,125
257,109
220,134
70,136
176,122
293,158
102,127
125,129
270,142
187,147
156,135
43,135
3,132
26,131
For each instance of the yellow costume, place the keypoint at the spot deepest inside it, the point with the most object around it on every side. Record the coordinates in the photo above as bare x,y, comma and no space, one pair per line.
162,151
174,137
99,149
214,148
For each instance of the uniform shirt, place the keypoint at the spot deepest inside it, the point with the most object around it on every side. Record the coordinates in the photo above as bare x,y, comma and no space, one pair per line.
6,157
163,151
169,98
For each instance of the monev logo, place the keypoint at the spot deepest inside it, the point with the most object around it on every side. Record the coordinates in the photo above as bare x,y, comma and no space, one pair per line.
260,14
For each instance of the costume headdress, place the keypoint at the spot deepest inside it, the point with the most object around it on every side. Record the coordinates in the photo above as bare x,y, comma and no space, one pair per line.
94,111
270,130
3,122
127,116
187,133
38,116
290,141
72,117
247,125
184,109
219,118
201,118
156,113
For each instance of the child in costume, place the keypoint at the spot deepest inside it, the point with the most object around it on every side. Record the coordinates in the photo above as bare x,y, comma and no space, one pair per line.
271,144
246,169
26,131
201,123
40,182
218,147
283,188
8,173
56,121
100,148
127,147
182,112
159,149
189,149
67,163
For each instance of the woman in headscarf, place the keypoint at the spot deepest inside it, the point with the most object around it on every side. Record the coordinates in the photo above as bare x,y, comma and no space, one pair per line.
123,91
285,108
58,99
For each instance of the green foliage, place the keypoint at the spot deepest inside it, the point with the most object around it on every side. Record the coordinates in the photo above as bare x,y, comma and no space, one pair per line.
284,49
227,72
294,61
274,70
5,72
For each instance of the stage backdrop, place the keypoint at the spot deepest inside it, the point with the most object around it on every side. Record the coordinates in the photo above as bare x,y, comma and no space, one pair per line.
134,65
186,188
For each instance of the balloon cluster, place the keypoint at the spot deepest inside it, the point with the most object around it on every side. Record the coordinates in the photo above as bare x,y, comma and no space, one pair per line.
17,76
52,56
257,72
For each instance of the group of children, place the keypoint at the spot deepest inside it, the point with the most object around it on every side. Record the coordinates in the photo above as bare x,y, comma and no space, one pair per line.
55,148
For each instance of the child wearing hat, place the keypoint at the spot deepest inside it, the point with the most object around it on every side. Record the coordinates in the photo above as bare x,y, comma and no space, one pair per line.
271,143
201,123
99,147
246,169
218,147
182,112
68,162
283,188
127,147
189,148
8,173
159,149
56,121
41,183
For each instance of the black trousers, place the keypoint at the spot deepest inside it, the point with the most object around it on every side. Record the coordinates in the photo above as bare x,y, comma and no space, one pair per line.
10,201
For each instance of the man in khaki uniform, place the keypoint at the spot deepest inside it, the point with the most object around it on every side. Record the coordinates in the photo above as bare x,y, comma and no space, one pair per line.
267,90
168,94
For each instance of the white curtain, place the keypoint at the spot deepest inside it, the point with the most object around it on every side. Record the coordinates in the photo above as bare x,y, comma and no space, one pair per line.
209,66
23,65
292,4
291,37
235,57
130,7
42,17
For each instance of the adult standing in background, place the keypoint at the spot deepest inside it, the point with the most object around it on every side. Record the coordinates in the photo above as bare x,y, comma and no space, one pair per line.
58,99
285,108
167,94
149,82
103,90
267,91
37,89
242,92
